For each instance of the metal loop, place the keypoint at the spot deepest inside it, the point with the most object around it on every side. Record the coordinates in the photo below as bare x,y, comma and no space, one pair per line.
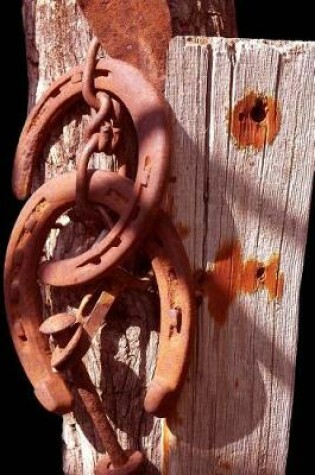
100,137
105,106
82,185
88,88
105,140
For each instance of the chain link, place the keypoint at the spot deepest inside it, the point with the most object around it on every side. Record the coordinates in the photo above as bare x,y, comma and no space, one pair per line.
102,133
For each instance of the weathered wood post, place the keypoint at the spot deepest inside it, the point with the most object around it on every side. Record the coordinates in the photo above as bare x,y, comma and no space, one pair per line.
242,169
241,195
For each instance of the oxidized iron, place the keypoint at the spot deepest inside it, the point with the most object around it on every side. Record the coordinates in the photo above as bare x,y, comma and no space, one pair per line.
23,302
148,113
117,461
137,32
80,330
68,333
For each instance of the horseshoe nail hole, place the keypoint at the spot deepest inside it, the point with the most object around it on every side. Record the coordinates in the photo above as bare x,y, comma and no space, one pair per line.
102,73
261,273
95,261
147,162
20,332
55,93
258,112
175,315
172,274
116,242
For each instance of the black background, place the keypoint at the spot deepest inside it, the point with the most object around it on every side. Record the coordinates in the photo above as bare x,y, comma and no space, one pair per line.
31,435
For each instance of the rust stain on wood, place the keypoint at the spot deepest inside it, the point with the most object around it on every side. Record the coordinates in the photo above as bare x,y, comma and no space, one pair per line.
230,275
255,120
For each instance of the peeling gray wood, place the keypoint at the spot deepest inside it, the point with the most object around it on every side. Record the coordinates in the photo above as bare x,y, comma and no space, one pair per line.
235,409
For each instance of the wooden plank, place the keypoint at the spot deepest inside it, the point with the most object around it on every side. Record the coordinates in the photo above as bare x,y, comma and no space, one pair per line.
242,170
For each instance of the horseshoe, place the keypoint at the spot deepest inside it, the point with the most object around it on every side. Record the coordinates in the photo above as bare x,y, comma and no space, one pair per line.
147,110
24,306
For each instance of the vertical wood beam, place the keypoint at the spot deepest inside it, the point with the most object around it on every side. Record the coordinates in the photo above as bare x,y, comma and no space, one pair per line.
242,171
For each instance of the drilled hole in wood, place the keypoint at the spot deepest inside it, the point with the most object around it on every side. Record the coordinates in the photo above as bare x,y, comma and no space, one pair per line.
255,120
258,113
261,273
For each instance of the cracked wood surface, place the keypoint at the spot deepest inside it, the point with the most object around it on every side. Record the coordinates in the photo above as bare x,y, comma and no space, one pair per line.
243,212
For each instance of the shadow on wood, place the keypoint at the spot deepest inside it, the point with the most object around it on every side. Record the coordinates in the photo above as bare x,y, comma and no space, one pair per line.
235,409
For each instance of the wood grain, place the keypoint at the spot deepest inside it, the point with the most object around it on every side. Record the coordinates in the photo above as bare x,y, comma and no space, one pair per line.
239,205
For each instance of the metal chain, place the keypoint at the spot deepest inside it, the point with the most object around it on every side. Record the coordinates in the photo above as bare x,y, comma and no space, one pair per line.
102,134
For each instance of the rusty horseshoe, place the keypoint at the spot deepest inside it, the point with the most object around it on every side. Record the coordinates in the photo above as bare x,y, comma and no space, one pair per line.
24,305
147,110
